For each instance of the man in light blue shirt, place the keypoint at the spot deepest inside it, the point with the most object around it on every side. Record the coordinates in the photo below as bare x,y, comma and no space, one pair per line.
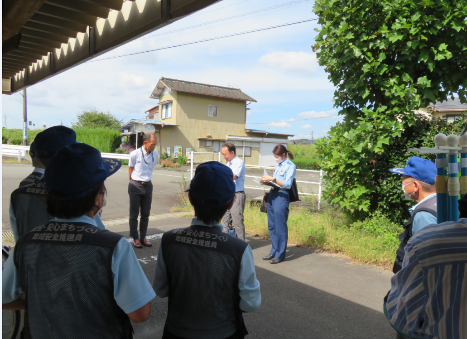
236,212
418,183
209,276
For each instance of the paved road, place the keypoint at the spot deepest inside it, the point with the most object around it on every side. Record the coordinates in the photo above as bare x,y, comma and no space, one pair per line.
166,188
310,295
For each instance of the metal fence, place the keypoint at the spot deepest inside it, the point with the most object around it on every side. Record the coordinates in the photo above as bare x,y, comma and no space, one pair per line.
319,183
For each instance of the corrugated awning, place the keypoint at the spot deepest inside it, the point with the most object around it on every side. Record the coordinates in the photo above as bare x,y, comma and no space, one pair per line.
41,38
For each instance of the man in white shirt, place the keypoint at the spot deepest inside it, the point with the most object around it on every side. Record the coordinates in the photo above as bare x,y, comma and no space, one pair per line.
236,212
140,167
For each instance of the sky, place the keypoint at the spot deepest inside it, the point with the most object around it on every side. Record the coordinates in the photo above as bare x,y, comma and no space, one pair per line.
276,67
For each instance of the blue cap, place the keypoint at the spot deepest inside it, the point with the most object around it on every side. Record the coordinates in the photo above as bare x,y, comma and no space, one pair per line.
418,168
212,184
47,143
76,170
32,150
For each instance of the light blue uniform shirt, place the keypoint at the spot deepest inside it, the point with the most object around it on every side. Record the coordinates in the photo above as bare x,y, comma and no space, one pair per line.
238,168
248,285
422,218
285,171
132,289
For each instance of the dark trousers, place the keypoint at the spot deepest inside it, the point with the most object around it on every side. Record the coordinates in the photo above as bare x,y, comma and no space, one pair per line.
278,213
140,199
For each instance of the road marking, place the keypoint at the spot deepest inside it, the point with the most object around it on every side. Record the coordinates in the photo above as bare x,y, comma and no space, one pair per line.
147,260
149,237
122,221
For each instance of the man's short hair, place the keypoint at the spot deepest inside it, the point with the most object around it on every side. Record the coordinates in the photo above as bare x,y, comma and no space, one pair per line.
67,209
425,186
147,137
208,214
230,147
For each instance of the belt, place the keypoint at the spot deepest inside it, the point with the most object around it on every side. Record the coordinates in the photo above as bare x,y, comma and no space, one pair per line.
239,192
280,189
144,183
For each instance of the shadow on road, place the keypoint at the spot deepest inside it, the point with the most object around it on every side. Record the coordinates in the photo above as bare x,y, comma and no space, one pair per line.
289,309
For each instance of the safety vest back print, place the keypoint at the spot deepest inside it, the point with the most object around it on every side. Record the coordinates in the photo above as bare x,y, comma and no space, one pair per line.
31,179
66,273
203,266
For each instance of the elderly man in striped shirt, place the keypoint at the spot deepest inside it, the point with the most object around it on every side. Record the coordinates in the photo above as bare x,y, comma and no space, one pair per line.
428,296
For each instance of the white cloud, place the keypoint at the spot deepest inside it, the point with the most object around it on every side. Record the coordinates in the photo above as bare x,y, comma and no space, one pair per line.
319,115
282,123
291,61
290,120
302,136
307,126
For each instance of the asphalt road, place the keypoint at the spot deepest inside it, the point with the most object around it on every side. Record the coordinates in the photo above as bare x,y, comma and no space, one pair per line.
310,295
166,188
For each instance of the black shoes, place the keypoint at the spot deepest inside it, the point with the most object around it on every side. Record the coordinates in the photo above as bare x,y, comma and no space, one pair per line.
276,261
268,257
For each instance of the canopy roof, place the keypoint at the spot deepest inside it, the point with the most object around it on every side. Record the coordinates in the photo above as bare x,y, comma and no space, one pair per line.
41,38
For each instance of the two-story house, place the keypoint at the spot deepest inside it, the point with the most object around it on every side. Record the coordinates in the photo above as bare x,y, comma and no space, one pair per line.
199,117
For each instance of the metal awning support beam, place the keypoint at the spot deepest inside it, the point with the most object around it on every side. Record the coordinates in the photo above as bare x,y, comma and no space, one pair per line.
134,20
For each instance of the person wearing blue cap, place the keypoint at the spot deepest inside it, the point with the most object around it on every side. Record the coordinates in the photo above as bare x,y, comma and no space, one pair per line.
209,276
27,203
418,183
36,175
75,279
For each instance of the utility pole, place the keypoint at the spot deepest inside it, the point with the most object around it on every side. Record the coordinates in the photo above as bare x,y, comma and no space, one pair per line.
25,119
312,139
4,124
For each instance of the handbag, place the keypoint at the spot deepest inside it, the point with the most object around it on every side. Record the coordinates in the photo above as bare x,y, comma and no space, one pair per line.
264,203
293,192
231,229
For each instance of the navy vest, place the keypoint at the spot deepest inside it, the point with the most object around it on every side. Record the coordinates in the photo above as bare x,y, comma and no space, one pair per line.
429,206
203,268
66,272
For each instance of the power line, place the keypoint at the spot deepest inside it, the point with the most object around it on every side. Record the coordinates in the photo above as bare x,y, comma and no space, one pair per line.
243,15
206,40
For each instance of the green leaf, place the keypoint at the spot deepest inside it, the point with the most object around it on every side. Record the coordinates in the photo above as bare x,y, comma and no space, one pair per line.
381,56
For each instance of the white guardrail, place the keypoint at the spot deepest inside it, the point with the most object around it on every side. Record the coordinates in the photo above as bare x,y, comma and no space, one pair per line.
20,151
319,183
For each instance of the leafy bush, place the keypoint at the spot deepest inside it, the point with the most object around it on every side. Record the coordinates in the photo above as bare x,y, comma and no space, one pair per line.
182,160
125,149
168,163
164,156
358,179
10,134
16,141
105,140
307,163
4,139
303,151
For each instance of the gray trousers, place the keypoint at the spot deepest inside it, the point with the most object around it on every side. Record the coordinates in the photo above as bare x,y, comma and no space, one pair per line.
140,199
236,213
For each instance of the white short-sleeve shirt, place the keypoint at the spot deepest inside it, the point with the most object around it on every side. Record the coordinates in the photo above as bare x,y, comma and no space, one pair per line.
143,164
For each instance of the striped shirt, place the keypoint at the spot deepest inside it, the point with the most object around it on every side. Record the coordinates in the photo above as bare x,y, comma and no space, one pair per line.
428,297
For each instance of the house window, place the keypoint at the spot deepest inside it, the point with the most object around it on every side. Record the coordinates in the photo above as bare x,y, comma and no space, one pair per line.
452,118
212,111
167,110
213,144
247,151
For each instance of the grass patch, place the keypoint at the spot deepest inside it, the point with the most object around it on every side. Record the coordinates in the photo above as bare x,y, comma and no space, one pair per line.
15,160
183,204
372,241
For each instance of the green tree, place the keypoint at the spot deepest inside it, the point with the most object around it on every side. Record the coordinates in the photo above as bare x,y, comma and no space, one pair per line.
97,119
386,59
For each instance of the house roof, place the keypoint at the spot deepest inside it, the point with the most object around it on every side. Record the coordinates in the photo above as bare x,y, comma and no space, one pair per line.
132,122
268,133
448,106
197,88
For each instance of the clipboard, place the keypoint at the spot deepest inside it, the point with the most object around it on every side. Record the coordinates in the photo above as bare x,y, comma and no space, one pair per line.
269,183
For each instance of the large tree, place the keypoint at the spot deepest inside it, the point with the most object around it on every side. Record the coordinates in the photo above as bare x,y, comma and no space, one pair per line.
96,119
386,59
